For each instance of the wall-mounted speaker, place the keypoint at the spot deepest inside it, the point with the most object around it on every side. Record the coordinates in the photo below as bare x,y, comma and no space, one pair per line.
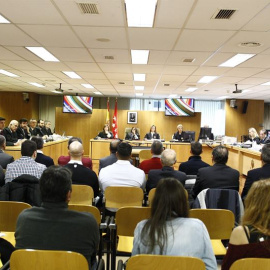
26,97
245,106
233,103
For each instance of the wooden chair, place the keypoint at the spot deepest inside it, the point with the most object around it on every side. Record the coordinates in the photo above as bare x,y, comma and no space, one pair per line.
145,154
251,264
87,208
82,194
126,220
161,262
26,259
116,197
219,223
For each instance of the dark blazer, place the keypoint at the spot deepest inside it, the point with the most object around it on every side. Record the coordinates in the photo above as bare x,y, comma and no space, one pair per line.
131,136
154,176
22,133
179,137
255,175
192,166
106,161
38,132
265,140
149,136
31,130
43,159
46,131
5,159
11,137
83,176
256,139
2,176
216,176
103,135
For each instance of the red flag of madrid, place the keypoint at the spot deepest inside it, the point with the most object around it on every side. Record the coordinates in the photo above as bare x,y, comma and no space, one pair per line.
114,124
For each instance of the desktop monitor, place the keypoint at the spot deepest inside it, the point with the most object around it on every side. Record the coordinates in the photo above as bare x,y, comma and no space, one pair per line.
205,133
189,136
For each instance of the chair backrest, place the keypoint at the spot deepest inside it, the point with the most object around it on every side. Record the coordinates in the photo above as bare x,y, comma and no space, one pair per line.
219,222
82,194
87,208
145,154
151,196
9,212
127,218
251,264
161,262
47,259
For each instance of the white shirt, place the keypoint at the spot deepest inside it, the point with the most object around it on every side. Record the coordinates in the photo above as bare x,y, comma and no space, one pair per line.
121,173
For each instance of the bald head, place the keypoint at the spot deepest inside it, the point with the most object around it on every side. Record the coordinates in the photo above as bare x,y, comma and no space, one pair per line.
75,149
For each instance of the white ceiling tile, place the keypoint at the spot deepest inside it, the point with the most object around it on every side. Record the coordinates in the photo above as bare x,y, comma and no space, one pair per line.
77,67
7,55
180,70
122,68
20,65
71,54
243,72
51,66
120,56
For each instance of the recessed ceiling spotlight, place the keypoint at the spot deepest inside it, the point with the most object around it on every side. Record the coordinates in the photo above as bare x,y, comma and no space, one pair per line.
103,40
166,84
250,44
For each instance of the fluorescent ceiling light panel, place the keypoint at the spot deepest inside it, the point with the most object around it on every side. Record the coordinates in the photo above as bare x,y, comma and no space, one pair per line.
245,91
267,83
191,89
2,71
72,74
139,87
139,94
236,60
3,19
140,13
36,84
43,54
139,77
207,79
87,85
139,56
57,92
97,93
173,96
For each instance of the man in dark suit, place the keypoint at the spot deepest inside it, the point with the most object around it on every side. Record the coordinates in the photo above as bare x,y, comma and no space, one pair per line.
41,158
168,159
109,160
217,176
259,173
23,129
5,159
194,162
46,130
2,125
32,126
263,137
11,134
80,174
38,130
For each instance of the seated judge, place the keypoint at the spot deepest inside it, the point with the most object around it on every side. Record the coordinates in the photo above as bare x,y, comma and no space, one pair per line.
253,135
133,134
152,134
106,133
179,134
263,137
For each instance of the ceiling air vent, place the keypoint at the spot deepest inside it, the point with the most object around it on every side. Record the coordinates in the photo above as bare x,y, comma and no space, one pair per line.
188,60
166,84
109,57
88,8
223,14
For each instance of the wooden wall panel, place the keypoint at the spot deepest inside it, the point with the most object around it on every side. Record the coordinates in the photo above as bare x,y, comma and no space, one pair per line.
87,126
12,106
237,123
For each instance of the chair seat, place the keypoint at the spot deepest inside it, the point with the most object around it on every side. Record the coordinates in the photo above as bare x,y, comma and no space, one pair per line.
125,244
218,247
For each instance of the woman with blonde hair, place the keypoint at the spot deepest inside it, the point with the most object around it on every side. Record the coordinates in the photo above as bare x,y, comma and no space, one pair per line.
252,238
253,135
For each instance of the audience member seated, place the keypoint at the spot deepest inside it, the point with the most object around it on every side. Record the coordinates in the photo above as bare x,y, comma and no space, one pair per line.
11,134
32,126
26,164
5,158
168,159
2,176
106,133
109,160
23,129
170,231
38,130
81,175
194,162
46,130
53,226
205,133
263,137
259,173
252,238
154,162
133,134
217,176
2,125
121,173
179,134
152,134
41,158
64,160
253,135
